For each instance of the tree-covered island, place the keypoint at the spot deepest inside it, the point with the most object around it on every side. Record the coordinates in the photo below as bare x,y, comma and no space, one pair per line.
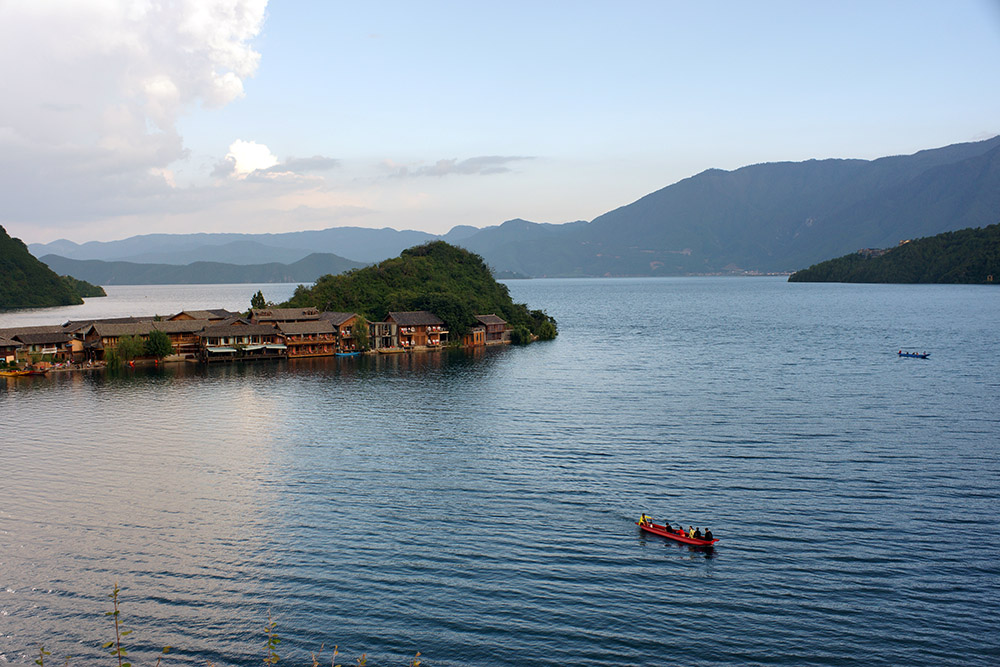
967,256
454,284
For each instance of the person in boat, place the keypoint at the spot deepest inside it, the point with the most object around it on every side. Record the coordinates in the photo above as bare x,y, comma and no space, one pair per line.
645,520
708,534
697,533
690,531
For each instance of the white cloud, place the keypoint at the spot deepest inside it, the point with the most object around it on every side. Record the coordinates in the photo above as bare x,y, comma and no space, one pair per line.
93,92
249,156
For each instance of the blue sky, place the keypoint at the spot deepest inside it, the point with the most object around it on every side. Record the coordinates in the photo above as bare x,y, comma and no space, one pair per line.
125,118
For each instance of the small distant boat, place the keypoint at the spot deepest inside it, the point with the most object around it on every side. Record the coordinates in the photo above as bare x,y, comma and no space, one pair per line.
346,354
915,355
670,533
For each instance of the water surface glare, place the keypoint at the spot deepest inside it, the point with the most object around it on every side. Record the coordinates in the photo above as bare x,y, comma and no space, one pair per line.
479,507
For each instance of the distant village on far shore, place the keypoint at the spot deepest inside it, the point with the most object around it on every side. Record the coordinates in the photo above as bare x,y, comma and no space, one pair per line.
208,336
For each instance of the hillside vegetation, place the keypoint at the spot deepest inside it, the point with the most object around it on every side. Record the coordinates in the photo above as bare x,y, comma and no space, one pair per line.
454,284
26,282
967,256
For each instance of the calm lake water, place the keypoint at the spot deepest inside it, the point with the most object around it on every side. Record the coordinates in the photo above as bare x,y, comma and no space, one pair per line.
479,507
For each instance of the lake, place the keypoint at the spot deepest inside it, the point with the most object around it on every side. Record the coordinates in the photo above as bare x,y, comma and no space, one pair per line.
479,507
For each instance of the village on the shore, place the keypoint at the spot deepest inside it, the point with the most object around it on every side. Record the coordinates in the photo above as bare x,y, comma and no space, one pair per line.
207,336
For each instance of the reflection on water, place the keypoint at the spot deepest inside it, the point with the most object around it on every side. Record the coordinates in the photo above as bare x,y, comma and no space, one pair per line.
480,506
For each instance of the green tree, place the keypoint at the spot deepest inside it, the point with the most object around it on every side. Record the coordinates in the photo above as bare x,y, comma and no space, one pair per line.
520,335
546,330
158,345
360,332
130,347
257,301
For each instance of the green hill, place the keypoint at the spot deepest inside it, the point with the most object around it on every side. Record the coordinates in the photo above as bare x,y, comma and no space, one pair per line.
450,282
969,256
26,282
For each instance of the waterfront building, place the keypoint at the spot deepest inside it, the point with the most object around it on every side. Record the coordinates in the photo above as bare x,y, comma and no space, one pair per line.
8,350
497,330
418,329
318,338
240,341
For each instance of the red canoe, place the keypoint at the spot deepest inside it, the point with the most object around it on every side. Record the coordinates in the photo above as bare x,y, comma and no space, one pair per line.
665,531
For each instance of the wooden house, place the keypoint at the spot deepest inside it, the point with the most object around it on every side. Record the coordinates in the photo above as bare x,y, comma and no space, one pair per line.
183,334
497,330
50,346
318,338
8,350
240,341
343,323
418,329
476,336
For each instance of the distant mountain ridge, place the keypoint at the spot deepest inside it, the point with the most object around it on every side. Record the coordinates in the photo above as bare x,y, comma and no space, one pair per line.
305,270
771,217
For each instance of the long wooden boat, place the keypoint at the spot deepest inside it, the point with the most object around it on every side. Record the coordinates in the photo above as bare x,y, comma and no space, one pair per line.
670,533
915,355
21,373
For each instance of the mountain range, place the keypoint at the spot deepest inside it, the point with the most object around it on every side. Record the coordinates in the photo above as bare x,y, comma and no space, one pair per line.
771,217
305,270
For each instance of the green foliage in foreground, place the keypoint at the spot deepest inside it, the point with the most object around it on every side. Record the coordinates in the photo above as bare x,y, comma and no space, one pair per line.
26,282
454,284
968,256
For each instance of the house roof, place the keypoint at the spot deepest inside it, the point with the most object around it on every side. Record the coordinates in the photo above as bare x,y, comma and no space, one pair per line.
76,325
298,328
211,314
491,319
143,328
42,338
218,331
284,314
14,331
414,318
335,317
7,342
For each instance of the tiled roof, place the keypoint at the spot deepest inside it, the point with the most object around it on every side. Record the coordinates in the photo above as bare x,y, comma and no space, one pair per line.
335,317
6,342
43,338
14,331
76,325
284,314
415,318
217,331
491,319
299,328
211,314
143,328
